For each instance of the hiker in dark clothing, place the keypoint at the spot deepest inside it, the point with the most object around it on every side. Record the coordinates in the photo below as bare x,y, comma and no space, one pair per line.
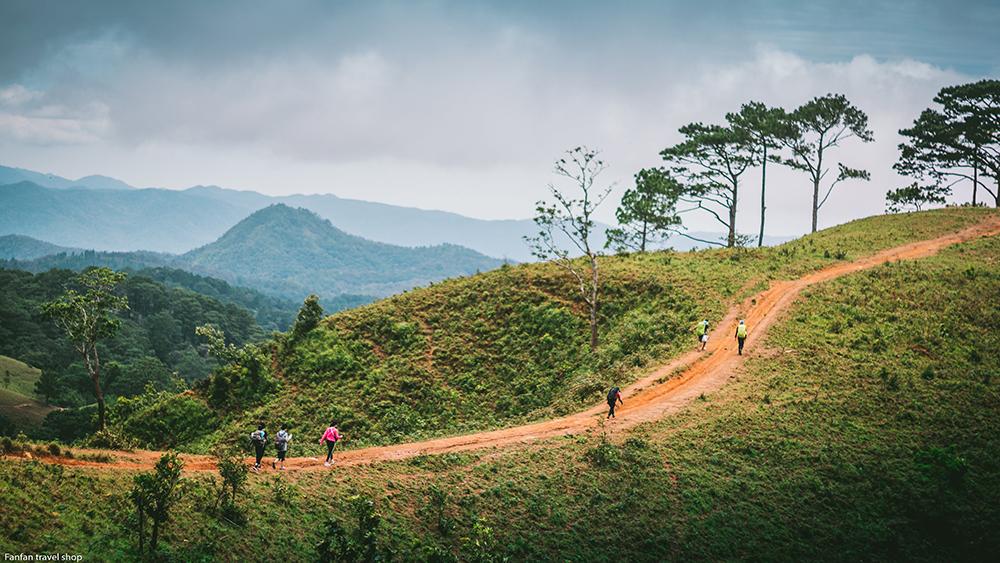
259,439
281,445
614,397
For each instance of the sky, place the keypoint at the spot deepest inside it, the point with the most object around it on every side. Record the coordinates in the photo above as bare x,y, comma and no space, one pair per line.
462,106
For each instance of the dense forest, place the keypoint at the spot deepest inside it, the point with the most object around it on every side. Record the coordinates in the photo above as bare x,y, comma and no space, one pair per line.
156,345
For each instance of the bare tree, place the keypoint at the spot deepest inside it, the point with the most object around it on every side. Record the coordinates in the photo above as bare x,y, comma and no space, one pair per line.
572,218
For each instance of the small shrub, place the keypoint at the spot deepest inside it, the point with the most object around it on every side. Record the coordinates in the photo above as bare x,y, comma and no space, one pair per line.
928,373
234,475
154,495
54,449
482,546
604,455
111,438
339,544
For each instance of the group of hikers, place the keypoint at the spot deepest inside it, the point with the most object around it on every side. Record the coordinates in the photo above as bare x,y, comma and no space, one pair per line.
258,438
331,435
701,331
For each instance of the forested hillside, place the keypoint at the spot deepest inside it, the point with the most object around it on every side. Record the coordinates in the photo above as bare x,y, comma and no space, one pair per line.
20,247
293,252
287,254
156,342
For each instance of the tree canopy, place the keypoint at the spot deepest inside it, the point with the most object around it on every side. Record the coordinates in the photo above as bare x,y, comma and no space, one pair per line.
709,162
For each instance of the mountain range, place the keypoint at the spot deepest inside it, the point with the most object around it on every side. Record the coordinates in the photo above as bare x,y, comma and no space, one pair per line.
282,251
106,214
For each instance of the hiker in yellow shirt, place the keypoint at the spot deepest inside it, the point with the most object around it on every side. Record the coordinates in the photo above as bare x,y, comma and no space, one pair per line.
741,334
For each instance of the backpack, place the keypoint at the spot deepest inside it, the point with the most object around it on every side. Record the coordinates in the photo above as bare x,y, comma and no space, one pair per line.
281,440
613,395
258,436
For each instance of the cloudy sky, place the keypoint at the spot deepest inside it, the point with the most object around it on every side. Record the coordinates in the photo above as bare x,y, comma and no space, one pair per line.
461,106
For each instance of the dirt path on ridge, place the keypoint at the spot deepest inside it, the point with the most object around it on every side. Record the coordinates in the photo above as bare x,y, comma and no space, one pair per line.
665,390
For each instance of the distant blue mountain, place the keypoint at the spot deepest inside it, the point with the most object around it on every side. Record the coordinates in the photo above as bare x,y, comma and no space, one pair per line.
281,251
10,175
177,221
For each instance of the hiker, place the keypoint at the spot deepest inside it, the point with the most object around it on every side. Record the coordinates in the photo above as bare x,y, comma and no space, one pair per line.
259,439
741,334
614,397
331,437
281,445
702,332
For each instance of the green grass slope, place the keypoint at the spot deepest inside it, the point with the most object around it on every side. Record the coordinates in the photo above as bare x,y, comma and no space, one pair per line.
19,404
865,426
509,346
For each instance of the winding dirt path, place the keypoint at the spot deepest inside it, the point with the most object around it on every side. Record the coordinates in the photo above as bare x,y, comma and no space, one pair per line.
665,390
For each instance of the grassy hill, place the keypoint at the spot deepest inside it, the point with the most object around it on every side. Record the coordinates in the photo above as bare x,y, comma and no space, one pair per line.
509,346
19,404
865,426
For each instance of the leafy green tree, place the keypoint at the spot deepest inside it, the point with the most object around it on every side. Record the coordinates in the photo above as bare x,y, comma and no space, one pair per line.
764,127
960,141
89,317
243,379
818,126
572,218
647,213
154,495
915,196
308,318
710,161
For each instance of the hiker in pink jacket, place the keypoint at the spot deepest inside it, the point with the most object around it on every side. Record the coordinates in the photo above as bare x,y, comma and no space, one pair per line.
331,437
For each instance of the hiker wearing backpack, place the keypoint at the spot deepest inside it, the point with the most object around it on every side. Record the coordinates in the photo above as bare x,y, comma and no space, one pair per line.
281,445
259,439
702,332
614,397
741,334
330,437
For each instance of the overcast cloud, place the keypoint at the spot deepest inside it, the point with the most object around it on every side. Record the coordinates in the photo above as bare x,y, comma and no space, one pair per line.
460,106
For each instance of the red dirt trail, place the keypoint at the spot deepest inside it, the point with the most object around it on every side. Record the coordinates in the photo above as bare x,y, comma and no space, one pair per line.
665,390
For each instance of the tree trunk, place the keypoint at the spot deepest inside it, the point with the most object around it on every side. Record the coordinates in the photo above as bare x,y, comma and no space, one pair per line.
731,236
817,176
155,536
593,302
95,375
815,203
763,184
975,176
142,527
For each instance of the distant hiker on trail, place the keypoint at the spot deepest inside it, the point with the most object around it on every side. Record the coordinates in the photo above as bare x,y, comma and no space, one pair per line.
614,397
259,439
702,332
281,445
330,437
741,334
